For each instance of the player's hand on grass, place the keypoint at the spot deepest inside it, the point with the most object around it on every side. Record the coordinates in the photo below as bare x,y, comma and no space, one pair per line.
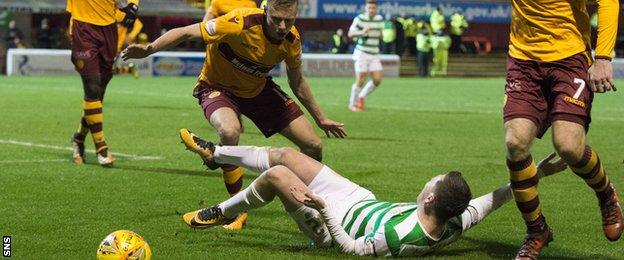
550,165
136,51
307,198
333,127
601,76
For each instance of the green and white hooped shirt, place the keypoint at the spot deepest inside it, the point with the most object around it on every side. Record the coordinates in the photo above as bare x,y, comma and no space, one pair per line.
393,229
369,42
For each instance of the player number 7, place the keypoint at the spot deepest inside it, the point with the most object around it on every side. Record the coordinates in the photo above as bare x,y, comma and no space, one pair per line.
580,89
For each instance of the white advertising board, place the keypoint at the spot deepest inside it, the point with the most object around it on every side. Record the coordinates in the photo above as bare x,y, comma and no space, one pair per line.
24,62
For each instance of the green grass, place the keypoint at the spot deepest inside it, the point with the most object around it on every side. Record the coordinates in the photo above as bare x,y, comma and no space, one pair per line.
412,130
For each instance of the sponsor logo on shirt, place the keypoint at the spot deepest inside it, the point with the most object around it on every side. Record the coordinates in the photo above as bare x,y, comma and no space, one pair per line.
243,64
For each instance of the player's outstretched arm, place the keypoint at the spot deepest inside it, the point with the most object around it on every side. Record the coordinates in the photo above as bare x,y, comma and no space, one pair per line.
168,40
601,71
550,165
301,89
481,207
345,242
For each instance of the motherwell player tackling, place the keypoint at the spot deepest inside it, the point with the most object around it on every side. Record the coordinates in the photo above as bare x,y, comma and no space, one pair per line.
243,46
551,80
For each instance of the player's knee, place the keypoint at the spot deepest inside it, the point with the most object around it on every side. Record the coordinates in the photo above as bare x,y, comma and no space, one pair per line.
377,82
517,147
284,154
314,150
360,81
92,92
275,174
570,150
229,134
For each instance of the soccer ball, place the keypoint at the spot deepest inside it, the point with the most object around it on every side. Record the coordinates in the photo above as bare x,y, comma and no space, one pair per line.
124,244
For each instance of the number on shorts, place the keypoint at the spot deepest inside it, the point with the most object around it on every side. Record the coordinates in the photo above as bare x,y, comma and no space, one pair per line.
580,89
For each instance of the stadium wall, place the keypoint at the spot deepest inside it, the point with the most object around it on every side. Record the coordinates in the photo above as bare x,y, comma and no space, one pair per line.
24,62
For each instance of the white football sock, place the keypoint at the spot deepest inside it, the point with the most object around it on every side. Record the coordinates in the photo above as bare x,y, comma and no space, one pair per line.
355,91
245,200
250,157
368,88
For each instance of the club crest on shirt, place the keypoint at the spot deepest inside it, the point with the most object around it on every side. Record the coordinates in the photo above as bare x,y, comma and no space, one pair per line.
233,20
214,94
80,64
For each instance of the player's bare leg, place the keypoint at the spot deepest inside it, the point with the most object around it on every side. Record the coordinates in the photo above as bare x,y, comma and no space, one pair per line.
519,136
370,86
569,141
356,88
228,126
301,133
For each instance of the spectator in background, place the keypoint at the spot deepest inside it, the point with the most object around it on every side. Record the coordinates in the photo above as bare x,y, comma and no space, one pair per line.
409,26
340,44
440,43
424,48
46,37
399,40
437,21
418,27
388,35
458,26
14,37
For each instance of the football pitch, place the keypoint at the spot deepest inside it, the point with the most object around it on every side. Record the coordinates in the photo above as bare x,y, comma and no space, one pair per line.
412,130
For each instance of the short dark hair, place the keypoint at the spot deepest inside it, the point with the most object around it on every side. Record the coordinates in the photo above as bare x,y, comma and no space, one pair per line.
452,196
282,3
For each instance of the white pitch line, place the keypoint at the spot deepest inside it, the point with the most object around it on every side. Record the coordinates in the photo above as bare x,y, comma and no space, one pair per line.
130,156
35,161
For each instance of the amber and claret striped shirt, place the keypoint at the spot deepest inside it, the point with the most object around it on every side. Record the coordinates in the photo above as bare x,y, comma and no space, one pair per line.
550,30
240,55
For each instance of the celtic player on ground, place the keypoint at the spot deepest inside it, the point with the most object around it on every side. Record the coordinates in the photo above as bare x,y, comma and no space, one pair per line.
327,206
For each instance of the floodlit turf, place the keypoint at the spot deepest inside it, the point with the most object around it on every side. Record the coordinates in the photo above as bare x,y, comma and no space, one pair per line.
412,129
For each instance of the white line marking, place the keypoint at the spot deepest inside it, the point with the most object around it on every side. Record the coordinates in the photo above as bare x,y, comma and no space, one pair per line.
35,161
130,156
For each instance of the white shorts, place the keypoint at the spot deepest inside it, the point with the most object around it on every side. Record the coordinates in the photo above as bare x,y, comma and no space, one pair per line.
339,193
365,62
